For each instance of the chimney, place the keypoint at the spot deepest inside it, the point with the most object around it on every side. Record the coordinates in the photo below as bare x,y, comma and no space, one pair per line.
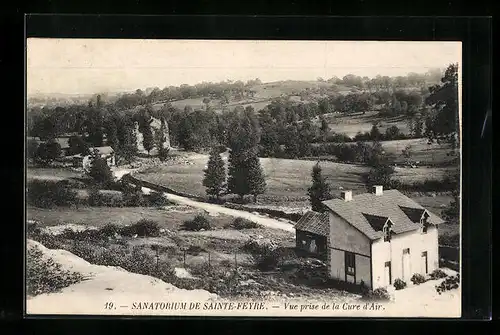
346,195
378,190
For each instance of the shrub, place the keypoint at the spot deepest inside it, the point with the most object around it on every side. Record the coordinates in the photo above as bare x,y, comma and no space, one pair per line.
241,223
46,276
268,259
143,228
109,230
46,194
438,274
157,199
399,284
134,199
417,279
379,294
198,223
105,198
450,283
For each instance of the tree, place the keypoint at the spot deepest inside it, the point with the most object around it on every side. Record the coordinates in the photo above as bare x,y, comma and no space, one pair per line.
381,174
160,142
32,148
111,134
375,134
392,133
319,190
407,153
206,101
215,175
48,152
129,148
238,175
442,124
325,128
256,180
147,138
100,170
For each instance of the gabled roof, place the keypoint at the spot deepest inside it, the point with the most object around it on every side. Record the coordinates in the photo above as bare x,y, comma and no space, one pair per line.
414,214
103,150
314,222
377,222
63,142
388,205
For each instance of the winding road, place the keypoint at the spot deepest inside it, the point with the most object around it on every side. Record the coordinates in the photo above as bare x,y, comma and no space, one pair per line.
218,209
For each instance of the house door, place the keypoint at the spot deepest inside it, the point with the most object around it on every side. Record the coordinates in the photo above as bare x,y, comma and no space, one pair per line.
350,267
406,264
387,274
424,265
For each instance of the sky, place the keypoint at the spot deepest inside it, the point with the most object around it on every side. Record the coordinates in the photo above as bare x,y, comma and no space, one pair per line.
86,66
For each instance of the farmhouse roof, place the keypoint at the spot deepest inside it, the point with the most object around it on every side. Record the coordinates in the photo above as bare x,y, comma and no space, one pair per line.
314,222
107,150
63,142
364,209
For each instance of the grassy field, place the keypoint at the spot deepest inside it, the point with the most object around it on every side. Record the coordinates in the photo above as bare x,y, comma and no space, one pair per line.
169,218
421,151
287,180
352,124
51,173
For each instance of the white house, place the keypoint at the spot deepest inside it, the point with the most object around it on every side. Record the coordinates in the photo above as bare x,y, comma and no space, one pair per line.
380,236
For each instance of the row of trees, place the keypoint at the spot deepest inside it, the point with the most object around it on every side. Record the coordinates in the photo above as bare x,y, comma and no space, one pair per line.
379,82
245,174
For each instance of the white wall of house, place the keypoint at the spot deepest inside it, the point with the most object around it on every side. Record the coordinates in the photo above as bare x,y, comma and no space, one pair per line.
392,251
345,238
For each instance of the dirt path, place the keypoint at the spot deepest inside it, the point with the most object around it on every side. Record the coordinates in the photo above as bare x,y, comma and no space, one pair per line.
214,208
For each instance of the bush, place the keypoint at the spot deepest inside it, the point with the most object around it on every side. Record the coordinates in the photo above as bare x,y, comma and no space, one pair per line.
109,230
267,260
143,228
417,279
46,194
399,284
105,198
241,223
46,276
379,294
157,199
134,199
198,223
450,283
438,274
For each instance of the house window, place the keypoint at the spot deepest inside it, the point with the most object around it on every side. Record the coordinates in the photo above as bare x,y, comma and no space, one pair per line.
406,251
350,263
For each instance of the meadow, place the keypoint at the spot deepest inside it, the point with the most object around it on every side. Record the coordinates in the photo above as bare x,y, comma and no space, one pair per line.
287,180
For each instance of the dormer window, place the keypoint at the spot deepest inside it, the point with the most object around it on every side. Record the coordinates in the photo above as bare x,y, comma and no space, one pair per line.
424,222
386,230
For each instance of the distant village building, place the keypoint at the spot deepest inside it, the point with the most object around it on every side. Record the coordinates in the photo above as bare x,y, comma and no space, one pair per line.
312,233
374,237
85,161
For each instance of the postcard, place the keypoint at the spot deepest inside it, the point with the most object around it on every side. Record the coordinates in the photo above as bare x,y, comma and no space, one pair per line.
243,178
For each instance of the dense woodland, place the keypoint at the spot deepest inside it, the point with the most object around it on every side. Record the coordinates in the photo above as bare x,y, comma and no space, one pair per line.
287,128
